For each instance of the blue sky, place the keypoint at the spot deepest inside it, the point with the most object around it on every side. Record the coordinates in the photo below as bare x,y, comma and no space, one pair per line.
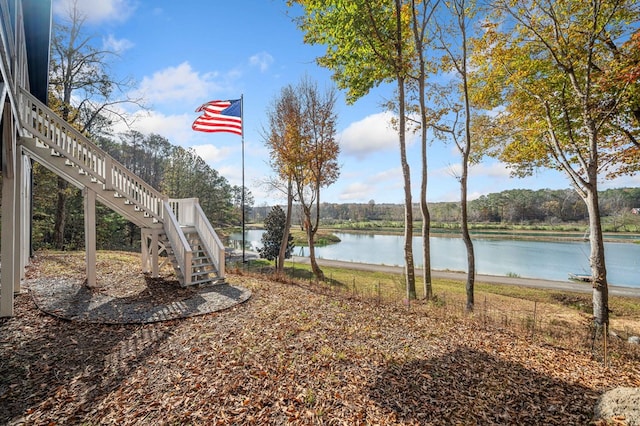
182,54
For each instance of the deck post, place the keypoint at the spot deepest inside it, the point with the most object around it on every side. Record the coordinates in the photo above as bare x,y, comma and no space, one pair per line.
150,251
19,220
155,260
90,234
25,216
8,251
144,247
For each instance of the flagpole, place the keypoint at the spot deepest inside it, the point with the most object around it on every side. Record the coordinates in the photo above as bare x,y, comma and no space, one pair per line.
243,190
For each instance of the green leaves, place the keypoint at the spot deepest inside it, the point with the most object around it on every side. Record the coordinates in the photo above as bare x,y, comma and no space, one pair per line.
275,224
550,67
362,41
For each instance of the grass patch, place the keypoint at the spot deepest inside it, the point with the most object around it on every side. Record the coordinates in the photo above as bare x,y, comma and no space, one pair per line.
322,238
391,287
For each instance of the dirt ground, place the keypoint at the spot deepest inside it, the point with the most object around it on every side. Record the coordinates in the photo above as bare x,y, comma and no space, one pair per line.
296,354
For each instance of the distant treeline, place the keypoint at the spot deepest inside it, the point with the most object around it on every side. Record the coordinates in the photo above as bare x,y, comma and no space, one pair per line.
516,206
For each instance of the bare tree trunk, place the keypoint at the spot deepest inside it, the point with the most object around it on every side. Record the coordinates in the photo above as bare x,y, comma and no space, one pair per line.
426,244
315,268
61,214
466,237
419,29
287,227
408,215
597,259
424,206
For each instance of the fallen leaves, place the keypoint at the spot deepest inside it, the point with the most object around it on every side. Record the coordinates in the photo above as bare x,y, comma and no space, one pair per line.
293,355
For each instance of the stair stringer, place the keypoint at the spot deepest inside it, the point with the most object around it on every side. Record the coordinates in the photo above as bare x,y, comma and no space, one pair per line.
74,175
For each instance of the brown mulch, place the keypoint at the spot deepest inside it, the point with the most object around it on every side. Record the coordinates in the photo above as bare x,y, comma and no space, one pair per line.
71,299
124,294
293,354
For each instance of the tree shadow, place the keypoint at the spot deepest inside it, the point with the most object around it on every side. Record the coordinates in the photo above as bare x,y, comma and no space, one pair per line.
76,362
472,387
160,300
307,275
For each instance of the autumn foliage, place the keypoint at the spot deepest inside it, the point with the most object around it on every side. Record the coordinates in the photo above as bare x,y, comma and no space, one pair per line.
293,354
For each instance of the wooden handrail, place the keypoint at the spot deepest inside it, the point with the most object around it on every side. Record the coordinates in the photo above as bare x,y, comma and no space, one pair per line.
210,239
181,248
43,123
189,213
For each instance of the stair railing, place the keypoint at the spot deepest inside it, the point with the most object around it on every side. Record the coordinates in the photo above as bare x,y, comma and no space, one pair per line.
43,123
210,239
189,213
181,248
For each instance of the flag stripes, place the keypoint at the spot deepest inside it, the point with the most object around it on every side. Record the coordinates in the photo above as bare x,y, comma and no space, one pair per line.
220,116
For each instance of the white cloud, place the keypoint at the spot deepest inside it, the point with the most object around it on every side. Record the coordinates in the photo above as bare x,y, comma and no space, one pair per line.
620,182
233,173
262,60
96,11
211,153
179,83
111,44
386,181
357,191
451,170
176,128
495,170
372,133
389,175
473,195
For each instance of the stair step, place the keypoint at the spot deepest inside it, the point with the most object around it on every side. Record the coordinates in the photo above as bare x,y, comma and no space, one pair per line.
198,272
207,281
203,267
201,274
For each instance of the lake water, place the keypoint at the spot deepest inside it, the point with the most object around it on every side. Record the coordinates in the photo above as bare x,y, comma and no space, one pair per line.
550,260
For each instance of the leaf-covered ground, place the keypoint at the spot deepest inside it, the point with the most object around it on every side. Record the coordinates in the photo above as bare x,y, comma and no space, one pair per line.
292,354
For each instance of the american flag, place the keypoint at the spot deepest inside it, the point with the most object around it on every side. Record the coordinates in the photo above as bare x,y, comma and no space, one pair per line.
220,116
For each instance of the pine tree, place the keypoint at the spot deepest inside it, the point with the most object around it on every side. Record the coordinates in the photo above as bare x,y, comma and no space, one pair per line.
274,225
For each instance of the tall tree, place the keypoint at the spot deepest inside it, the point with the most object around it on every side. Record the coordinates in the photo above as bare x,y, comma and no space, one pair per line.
455,117
545,64
421,13
368,42
82,90
304,152
283,139
320,152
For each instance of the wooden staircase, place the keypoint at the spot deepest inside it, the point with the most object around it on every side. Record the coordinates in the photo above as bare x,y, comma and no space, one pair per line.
178,227
203,270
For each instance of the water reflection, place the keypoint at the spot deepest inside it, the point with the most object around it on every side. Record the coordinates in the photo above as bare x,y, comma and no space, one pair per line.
552,260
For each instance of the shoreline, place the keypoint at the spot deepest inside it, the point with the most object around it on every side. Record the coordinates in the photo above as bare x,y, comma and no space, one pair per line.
461,276
526,235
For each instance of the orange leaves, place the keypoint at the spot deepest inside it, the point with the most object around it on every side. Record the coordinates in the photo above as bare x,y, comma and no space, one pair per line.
294,355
